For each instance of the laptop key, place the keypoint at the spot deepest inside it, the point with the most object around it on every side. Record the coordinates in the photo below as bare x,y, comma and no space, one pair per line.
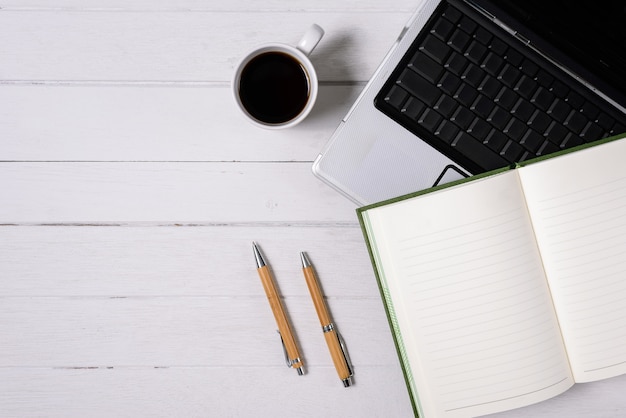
571,140
462,117
590,110
473,75
413,108
526,155
426,67
458,40
495,140
515,129
499,117
559,110
547,148
436,49
498,47
465,95
522,110
509,75
419,87
539,121
531,141
544,79
542,98
449,83
528,67
525,87
490,87
506,98
456,63
475,52
555,133
618,128
443,29
430,119
479,128
452,14
492,64
482,35
605,121
446,106
396,97
575,100
591,132
467,24
513,57
575,121
483,157
559,89
512,151
482,106
447,131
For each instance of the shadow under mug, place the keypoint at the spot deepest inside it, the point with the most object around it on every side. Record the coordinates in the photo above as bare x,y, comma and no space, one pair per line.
275,86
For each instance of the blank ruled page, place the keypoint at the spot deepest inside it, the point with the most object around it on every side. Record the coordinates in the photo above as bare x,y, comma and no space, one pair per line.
470,298
579,211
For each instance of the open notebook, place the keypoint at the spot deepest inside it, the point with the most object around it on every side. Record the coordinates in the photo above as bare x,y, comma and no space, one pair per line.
507,289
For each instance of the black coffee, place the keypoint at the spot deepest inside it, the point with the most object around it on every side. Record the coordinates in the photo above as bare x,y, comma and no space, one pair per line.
274,87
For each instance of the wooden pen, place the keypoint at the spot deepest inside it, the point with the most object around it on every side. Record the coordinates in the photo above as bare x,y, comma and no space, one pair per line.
292,354
332,336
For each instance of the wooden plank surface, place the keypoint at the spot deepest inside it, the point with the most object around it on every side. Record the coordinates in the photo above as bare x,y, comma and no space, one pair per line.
183,331
197,47
199,392
298,6
154,123
130,193
194,260
167,192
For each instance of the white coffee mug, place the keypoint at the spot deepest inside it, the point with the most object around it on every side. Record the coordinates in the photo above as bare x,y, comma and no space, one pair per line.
275,86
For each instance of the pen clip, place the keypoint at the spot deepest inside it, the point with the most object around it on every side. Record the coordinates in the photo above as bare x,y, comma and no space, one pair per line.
290,362
344,351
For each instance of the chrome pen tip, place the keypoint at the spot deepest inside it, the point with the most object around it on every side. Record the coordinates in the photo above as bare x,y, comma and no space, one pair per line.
347,382
300,371
305,260
260,262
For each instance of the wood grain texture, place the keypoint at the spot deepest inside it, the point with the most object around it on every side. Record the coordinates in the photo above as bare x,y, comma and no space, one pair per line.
154,123
163,46
131,191
193,260
190,331
299,6
199,392
167,192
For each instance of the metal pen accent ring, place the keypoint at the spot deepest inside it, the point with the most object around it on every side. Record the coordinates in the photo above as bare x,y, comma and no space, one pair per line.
329,327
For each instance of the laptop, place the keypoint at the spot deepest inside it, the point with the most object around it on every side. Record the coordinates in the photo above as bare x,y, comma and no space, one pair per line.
474,85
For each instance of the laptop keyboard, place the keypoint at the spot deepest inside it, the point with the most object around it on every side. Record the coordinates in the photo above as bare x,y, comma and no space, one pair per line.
486,101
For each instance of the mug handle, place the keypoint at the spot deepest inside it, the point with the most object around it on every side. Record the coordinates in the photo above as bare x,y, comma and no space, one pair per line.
310,39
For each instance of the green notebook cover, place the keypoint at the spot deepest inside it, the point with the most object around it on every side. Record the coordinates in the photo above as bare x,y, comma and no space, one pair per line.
387,302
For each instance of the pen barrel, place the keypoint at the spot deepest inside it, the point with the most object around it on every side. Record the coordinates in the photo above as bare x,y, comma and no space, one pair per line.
316,295
330,333
337,354
281,317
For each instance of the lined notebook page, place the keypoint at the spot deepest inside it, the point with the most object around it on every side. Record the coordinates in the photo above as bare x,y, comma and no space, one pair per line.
470,298
579,207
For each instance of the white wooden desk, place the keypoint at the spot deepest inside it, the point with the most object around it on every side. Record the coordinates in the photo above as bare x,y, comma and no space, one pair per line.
131,192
